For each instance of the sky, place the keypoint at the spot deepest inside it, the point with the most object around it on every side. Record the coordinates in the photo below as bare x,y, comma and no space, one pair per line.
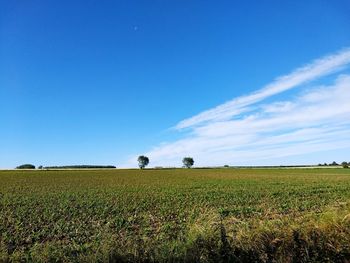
225,82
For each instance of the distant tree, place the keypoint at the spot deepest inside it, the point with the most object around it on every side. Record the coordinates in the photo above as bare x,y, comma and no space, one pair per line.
83,166
188,162
40,167
345,164
26,166
325,164
226,166
334,163
143,161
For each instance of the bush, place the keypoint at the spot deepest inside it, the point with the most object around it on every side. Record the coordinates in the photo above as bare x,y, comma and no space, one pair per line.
345,164
26,166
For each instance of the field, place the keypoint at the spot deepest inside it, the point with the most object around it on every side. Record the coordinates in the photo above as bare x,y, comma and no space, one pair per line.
201,215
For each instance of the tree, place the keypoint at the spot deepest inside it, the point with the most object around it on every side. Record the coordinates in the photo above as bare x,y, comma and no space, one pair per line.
188,162
26,166
345,164
143,161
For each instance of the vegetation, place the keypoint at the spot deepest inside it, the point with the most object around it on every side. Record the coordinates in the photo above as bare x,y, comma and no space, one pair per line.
345,164
81,167
26,166
188,162
193,215
143,161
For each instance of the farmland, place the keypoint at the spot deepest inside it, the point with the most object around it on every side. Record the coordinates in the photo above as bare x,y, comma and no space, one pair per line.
244,215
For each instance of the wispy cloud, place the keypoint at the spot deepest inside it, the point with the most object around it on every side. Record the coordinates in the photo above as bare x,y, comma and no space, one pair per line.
312,71
316,120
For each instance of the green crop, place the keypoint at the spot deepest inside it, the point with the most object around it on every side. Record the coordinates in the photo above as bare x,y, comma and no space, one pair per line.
261,215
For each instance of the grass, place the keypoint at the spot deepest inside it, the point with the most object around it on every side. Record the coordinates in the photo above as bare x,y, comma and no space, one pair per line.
238,215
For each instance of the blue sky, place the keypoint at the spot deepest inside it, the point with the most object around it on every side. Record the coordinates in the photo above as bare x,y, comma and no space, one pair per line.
100,82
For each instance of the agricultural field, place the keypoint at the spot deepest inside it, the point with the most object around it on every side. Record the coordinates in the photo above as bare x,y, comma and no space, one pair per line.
179,215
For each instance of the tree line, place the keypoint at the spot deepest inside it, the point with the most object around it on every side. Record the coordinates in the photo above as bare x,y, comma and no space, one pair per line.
31,166
334,163
143,161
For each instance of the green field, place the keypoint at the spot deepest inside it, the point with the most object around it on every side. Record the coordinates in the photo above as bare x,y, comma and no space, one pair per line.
202,215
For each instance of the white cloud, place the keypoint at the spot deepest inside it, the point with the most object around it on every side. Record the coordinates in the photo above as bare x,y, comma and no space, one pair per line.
312,71
317,120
